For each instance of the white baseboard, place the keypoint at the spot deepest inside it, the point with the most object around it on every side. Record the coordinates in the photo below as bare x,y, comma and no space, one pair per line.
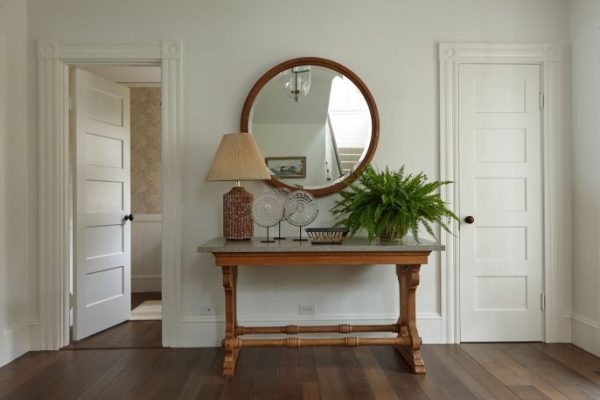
146,283
207,331
586,333
14,342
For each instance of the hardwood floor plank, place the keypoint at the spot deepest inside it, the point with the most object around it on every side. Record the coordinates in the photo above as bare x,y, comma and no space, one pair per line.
481,354
210,360
127,335
405,384
330,380
311,391
239,386
376,378
265,380
290,384
545,373
491,384
354,377
463,375
528,392
508,371
125,384
126,358
537,379
446,378
581,362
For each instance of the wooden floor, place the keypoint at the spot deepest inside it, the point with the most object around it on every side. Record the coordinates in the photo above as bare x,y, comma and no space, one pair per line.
462,372
129,334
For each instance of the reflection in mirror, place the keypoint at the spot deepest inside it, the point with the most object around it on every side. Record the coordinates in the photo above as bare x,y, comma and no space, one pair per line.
312,124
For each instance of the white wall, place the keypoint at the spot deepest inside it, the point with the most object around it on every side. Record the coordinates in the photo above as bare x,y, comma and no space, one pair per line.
15,183
146,253
228,45
585,36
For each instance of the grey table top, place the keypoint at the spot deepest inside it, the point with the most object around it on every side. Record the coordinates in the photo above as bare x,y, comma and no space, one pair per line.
355,244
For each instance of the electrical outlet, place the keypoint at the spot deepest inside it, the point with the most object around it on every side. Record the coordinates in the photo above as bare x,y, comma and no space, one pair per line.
208,309
306,309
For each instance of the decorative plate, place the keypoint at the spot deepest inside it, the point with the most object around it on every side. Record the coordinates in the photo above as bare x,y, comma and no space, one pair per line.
300,208
267,209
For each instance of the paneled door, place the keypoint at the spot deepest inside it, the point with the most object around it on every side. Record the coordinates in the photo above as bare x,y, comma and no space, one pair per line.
500,202
102,239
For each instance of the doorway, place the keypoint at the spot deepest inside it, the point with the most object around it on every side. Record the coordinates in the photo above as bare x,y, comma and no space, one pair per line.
115,151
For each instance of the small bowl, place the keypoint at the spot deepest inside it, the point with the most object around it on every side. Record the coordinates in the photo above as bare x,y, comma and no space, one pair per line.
327,235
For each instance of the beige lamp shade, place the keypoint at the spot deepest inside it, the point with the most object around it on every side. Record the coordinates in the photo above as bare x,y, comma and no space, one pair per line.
238,159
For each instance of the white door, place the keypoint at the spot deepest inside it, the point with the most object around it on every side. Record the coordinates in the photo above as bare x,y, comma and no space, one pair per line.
500,187
102,240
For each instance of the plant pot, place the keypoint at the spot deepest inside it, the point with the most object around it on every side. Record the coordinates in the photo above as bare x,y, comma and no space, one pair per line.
394,234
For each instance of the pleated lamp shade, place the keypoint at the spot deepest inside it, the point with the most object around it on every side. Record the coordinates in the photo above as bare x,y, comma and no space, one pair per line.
238,159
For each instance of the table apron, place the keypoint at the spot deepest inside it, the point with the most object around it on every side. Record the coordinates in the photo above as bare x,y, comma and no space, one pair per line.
320,258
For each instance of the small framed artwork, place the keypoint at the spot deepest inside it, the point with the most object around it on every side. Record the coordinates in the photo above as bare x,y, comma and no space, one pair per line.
287,167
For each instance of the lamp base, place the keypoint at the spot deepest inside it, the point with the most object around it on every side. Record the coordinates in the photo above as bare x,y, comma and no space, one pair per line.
237,217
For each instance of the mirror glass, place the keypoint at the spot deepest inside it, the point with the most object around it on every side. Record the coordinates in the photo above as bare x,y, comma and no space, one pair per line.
313,125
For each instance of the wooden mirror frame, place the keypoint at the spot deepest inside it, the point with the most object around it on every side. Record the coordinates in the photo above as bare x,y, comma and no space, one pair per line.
321,62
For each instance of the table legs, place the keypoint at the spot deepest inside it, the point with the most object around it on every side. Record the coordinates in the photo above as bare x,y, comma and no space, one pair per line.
408,278
409,346
230,347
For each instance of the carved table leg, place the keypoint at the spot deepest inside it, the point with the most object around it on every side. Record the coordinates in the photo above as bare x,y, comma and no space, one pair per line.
408,277
230,349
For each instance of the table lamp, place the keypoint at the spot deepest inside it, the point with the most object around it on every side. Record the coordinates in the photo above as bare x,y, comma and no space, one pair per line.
238,159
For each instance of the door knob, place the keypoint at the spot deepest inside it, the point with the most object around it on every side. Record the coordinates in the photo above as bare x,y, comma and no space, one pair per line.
469,219
128,217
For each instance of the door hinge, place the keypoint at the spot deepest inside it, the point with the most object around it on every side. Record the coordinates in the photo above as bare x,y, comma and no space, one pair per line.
543,301
71,300
70,104
542,101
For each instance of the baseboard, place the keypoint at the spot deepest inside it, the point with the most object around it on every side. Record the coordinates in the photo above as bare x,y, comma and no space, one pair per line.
14,342
586,333
146,283
207,331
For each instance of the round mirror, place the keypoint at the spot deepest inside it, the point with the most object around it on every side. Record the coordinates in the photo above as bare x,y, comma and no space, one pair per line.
315,122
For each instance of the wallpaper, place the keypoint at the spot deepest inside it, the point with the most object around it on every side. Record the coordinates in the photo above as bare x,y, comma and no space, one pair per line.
145,150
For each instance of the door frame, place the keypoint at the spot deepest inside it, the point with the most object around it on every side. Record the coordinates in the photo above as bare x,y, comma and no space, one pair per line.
556,271
54,59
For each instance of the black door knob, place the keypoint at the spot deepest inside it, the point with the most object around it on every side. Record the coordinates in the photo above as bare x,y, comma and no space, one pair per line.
128,217
469,219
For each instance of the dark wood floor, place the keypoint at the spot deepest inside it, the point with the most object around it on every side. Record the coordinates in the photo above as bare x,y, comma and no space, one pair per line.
462,372
129,334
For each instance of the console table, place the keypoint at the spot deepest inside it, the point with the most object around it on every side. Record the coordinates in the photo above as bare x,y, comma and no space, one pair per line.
407,257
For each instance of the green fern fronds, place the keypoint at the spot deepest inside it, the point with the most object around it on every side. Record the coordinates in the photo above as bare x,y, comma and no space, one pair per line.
389,204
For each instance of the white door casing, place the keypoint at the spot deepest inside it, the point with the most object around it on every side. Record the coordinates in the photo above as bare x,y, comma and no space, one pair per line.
54,192
557,225
499,127
102,240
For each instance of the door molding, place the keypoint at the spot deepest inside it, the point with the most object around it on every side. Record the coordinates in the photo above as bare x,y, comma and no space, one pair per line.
555,168
54,59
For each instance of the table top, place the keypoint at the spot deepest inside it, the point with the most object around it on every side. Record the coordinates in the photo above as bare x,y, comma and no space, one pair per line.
355,244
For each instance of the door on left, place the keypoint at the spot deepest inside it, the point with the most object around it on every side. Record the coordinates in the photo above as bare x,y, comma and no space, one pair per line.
101,208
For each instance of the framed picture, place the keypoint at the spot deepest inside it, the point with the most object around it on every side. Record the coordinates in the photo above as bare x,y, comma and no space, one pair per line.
287,167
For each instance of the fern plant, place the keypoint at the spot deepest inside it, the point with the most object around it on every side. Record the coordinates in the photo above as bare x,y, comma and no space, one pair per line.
389,204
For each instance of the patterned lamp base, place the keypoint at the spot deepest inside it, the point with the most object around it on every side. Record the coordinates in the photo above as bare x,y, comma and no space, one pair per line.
237,218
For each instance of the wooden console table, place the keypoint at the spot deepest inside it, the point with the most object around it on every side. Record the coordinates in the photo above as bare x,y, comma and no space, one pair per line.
407,258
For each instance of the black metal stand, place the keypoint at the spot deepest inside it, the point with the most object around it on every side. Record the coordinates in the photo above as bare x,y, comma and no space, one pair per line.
300,239
268,240
279,237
